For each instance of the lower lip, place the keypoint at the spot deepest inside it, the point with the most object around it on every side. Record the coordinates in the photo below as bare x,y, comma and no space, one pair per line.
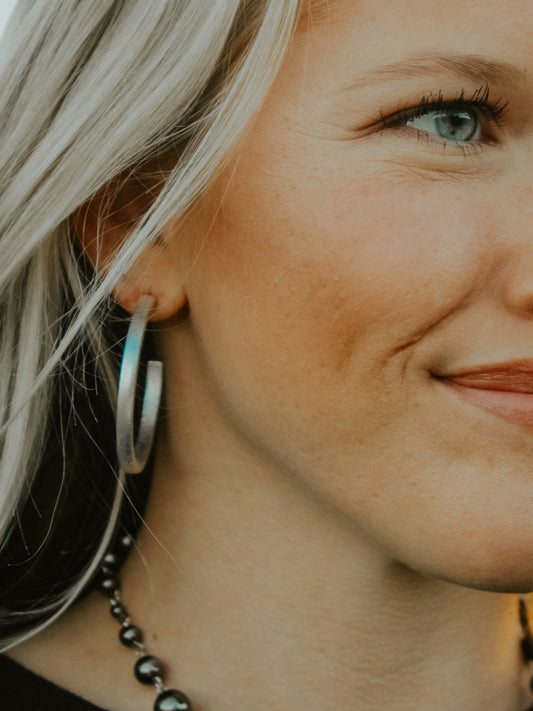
511,406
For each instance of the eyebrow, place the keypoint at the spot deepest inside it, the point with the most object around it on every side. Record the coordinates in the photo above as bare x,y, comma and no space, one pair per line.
470,66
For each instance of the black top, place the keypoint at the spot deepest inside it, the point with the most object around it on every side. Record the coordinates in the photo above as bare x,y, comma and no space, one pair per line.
22,690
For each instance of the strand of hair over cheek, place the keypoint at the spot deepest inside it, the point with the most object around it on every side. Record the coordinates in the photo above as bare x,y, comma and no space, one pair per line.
90,91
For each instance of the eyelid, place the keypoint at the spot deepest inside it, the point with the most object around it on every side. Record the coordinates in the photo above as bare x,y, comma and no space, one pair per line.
479,99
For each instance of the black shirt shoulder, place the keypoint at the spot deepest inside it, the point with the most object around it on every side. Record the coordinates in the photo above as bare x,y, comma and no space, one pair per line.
22,690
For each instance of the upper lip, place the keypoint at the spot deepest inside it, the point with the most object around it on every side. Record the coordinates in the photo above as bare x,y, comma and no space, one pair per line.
510,376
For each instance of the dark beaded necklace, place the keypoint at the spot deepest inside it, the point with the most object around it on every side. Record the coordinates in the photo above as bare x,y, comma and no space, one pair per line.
150,670
526,642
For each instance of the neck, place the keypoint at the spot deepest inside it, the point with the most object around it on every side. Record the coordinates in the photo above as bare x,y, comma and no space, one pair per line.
262,584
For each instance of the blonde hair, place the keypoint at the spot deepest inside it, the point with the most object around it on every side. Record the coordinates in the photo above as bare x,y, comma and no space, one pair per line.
89,92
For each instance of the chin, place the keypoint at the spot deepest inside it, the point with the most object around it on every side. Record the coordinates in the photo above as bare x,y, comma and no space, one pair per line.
480,557
495,571
497,584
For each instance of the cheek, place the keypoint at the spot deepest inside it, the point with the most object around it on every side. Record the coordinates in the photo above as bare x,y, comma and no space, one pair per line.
320,272
306,289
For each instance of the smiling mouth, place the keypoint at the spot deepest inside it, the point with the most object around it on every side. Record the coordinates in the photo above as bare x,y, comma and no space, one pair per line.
503,389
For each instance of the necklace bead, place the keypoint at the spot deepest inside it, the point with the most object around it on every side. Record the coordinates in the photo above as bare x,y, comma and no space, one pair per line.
147,668
172,700
130,635
111,561
118,611
107,583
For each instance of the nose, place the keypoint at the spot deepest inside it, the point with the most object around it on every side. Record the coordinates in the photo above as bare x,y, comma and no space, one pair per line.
518,289
517,246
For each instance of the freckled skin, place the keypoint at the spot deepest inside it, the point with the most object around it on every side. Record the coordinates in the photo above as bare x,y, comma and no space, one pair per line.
343,268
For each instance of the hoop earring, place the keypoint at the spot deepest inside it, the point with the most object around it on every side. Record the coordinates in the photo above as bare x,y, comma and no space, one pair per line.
132,456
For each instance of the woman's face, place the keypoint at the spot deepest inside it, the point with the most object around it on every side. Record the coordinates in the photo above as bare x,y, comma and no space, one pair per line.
373,234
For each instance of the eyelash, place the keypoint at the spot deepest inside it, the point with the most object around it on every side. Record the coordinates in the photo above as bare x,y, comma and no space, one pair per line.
479,101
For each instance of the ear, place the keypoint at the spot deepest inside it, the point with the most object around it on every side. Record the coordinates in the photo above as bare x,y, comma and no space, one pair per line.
102,225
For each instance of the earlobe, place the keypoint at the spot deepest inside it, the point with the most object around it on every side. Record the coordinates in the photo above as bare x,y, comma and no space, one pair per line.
155,273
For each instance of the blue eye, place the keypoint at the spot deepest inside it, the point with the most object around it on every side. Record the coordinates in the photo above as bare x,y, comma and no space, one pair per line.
463,120
449,124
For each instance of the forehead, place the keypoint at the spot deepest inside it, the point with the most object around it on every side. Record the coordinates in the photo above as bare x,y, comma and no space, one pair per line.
386,24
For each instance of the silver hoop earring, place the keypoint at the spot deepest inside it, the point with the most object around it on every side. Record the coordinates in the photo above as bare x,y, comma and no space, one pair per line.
133,455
